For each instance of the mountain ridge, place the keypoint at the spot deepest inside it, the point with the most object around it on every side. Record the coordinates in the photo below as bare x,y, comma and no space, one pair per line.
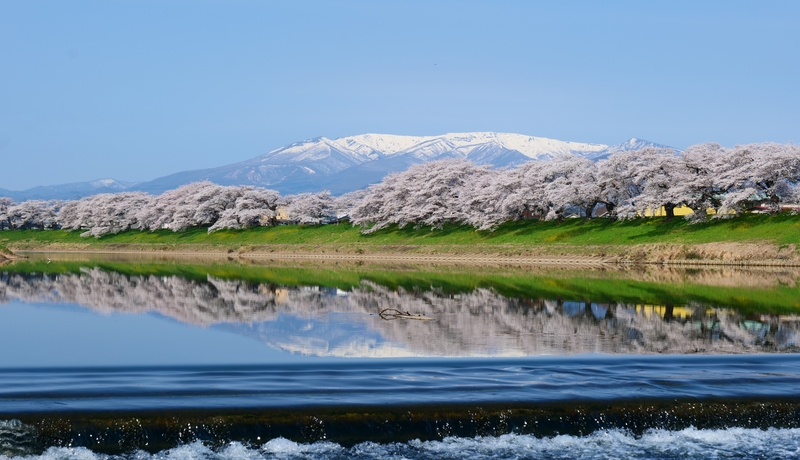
348,163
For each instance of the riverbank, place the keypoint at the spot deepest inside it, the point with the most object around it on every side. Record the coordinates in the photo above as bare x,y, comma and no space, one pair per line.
6,254
753,240
713,254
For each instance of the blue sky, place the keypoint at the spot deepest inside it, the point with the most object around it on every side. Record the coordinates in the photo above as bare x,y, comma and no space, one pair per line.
134,90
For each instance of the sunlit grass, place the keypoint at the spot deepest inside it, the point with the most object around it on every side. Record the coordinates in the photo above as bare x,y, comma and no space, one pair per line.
782,229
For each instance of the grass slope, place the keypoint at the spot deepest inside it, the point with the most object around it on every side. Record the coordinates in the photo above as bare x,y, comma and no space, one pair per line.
780,230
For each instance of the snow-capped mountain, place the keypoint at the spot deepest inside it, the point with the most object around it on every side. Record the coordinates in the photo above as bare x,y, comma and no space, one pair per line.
350,163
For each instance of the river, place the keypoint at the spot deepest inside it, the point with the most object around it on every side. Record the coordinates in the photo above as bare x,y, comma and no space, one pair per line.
145,358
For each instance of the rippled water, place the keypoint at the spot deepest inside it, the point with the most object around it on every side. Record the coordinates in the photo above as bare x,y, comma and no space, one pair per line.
177,361
391,382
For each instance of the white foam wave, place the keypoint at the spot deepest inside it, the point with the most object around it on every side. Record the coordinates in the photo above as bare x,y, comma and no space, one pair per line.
734,443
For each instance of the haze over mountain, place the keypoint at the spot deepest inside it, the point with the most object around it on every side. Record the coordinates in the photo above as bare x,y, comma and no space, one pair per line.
348,163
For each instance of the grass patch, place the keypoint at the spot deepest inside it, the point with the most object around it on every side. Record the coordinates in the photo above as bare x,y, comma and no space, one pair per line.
782,230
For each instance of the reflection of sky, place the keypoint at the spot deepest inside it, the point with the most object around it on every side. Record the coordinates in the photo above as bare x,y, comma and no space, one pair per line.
599,310
334,334
571,308
34,335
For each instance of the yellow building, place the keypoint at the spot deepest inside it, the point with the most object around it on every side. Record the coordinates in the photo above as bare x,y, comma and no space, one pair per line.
679,211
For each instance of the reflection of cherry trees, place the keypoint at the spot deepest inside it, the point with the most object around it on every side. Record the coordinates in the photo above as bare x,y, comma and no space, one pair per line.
477,323
704,178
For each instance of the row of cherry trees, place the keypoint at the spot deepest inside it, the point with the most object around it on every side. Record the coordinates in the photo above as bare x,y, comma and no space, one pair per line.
704,177
193,205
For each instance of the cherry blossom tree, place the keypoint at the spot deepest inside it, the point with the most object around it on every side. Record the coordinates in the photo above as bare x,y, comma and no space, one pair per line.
425,194
33,214
482,200
198,203
68,214
5,218
104,213
312,208
522,193
570,180
634,183
619,182
252,207
343,205
697,184
759,174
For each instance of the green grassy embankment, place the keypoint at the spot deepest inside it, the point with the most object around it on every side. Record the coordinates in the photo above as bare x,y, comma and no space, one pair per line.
780,235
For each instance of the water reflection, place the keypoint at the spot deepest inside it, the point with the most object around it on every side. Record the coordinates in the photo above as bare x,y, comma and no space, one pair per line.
321,321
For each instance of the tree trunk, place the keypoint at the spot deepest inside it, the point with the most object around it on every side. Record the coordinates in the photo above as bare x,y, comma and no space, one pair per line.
669,211
774,204
610,214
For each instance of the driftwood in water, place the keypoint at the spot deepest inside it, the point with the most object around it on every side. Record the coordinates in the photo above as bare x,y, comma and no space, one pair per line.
393,313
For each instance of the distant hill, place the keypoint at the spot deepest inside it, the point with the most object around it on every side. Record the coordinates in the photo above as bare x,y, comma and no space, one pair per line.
349,163
69,191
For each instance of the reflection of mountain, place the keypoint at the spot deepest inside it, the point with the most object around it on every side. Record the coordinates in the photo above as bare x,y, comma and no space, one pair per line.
321,321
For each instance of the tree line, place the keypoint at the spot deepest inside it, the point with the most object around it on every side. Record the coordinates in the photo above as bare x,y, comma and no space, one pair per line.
704,178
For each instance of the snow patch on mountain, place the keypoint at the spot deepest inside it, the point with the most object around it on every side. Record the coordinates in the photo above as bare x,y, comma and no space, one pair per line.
380,144
108,183
375,145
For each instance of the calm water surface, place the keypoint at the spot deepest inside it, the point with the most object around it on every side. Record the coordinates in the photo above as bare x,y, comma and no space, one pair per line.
176,360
